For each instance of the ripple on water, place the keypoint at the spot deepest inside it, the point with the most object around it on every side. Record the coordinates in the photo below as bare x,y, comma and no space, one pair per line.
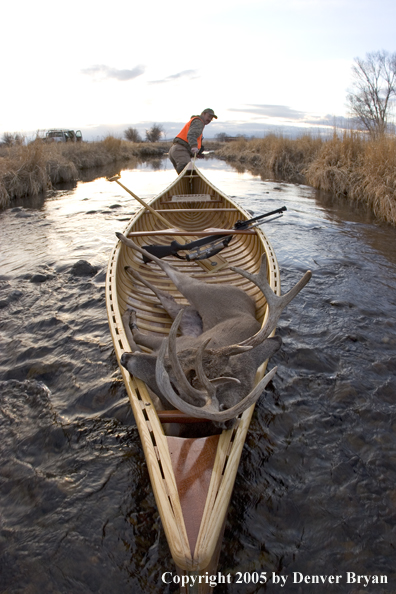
315,488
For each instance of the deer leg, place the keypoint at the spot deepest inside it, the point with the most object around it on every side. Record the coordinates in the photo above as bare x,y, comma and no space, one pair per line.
126,321
131,328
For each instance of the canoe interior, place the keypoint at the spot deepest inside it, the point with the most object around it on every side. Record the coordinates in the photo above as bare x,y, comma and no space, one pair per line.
192,505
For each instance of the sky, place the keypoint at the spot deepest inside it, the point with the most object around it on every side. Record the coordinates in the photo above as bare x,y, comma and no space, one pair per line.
102,67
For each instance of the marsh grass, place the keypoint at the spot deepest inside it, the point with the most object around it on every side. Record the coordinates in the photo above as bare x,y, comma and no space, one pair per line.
34,168
283,157
22,172
349,165
359,168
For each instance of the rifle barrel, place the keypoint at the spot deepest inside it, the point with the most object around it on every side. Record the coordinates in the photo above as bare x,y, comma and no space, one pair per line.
243,224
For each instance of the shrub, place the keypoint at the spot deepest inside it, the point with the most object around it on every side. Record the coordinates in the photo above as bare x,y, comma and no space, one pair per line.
155,133
132,135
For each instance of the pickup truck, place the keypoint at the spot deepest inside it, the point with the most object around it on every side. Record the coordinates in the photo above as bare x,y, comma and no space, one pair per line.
63,136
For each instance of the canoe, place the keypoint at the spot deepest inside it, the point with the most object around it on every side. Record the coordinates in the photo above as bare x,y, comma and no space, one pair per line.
192,477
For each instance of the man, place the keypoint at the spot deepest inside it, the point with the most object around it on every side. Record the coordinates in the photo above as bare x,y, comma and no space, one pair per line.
189,140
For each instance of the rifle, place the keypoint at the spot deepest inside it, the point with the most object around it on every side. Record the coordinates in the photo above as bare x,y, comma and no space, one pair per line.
214,243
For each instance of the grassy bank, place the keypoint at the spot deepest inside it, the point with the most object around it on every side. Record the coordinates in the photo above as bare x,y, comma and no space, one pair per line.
350,165
282,157
36,167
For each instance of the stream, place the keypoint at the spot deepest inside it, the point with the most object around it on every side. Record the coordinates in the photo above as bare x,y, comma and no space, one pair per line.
315,493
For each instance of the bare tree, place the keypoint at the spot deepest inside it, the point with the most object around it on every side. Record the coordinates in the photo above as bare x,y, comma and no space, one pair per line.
374,88
155,133
133,135
8,139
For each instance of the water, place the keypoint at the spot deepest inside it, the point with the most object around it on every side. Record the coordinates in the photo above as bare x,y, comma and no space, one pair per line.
315,492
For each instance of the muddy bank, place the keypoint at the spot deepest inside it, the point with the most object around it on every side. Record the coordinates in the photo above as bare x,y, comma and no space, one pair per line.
38,167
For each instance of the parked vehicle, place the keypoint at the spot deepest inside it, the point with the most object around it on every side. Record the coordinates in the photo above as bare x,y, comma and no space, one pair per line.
63,136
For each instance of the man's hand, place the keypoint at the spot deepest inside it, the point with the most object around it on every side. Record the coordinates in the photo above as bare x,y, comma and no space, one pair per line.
195,150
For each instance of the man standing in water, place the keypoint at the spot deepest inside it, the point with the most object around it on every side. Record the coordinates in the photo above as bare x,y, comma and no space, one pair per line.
188,142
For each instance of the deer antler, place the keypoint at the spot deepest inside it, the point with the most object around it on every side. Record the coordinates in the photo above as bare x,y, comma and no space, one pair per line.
210,410
183,383
275,305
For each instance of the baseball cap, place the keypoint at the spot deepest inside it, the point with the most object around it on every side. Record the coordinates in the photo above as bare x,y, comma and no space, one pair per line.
211,112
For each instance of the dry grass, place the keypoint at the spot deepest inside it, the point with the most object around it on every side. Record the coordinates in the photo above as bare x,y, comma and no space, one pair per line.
362,169
350,165
22,172
32,169
280,156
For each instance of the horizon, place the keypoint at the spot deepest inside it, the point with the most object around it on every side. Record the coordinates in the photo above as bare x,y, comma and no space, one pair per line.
98,133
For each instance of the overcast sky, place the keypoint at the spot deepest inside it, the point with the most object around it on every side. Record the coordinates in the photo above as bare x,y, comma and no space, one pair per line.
104,66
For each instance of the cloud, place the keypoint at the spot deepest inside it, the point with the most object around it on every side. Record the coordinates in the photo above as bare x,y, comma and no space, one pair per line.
183,74
103,72
272,111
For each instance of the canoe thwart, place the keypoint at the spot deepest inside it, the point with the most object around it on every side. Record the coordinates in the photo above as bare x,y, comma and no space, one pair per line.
203,210
192,233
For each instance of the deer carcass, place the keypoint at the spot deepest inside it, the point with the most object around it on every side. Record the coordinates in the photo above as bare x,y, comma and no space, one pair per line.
209,371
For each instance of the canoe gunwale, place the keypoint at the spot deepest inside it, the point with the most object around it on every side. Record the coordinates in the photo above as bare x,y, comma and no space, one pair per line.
151,432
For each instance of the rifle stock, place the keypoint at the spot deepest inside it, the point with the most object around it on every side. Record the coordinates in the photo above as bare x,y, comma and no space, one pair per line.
161,251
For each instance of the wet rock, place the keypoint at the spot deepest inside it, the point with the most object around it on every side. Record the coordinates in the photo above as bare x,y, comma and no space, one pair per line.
336,303
26,276
15,295
40,278
24,215
100,277
83,268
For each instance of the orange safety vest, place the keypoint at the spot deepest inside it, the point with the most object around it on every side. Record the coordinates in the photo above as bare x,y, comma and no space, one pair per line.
183,133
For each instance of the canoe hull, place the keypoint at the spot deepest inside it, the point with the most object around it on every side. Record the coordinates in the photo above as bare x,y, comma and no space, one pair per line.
194,541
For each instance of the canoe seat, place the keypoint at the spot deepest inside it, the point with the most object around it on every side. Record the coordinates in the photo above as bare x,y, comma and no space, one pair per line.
191,198
176,416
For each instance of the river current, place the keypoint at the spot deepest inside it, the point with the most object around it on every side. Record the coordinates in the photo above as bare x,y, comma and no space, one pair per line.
315,493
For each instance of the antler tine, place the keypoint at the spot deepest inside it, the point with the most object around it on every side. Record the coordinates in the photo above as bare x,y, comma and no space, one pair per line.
210,388
276,304
182,381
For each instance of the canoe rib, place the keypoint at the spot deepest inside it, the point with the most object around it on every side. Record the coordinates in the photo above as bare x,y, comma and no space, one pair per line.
192,549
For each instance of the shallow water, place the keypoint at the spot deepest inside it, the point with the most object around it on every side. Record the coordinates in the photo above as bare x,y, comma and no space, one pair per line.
315,492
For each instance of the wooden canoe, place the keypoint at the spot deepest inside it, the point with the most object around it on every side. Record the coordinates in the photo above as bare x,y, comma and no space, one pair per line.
192,478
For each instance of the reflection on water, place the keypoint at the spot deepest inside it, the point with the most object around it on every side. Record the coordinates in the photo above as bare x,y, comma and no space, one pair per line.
315,492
